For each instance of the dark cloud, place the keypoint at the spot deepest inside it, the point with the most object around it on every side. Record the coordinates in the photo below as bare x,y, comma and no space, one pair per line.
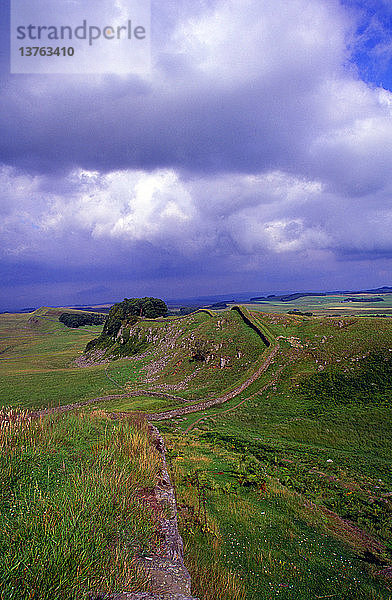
250,106
253,157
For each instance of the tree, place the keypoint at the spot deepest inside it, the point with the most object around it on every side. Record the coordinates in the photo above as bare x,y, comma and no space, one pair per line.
151,308
79,319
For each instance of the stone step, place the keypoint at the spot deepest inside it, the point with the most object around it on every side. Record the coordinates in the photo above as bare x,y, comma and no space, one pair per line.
167,576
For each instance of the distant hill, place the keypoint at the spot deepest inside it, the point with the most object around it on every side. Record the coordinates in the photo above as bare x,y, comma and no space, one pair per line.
286,297
297,295
219,300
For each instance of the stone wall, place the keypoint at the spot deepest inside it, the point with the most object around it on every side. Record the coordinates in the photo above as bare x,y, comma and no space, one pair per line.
169,578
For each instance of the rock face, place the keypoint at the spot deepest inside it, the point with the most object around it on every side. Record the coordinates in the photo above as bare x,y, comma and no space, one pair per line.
169,578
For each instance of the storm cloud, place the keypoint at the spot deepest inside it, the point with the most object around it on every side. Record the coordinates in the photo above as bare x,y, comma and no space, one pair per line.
254,156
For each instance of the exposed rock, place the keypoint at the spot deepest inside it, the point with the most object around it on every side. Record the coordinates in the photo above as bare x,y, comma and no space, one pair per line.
224,361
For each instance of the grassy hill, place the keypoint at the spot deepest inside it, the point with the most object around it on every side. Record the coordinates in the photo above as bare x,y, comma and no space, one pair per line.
37,355
165,362
285,490
39,369
298,489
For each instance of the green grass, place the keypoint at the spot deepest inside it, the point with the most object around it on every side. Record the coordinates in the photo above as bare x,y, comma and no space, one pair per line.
329,305
259,545
293,435
37,363
142,403
55,387
326,400
70,518
36,366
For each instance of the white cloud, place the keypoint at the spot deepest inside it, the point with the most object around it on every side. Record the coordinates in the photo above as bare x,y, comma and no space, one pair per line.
248,41
264,214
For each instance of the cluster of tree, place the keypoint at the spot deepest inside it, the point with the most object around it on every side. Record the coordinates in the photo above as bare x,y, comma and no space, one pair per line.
79,320
127,312
150,308
369,299
298,312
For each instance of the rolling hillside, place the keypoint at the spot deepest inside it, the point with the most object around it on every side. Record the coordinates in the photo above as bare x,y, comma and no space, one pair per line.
279,429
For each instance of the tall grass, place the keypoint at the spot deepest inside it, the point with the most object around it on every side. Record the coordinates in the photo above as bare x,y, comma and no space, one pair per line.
211,579
72,519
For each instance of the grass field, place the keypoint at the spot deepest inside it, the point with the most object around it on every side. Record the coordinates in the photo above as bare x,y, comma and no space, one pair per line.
330,305
327,475
37,361
260,543
36,356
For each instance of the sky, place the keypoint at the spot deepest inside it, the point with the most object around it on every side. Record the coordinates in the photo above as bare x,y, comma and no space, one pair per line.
256,155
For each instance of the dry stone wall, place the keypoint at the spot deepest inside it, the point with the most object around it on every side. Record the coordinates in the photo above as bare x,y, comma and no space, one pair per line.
169,578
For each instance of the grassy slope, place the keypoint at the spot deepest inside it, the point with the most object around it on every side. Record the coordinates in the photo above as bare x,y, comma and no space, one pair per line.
166,366
70,518
263,545
298,549
35,366
280,547
38,352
